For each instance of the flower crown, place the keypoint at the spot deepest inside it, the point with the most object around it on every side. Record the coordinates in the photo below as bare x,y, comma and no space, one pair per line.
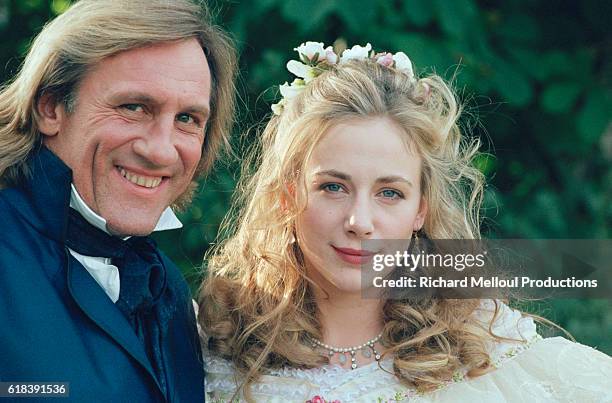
315,58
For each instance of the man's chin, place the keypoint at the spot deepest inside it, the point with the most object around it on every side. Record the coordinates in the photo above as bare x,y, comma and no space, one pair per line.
133,228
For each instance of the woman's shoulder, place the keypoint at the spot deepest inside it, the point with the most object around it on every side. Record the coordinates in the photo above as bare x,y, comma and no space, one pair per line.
531,368
515,331
546,370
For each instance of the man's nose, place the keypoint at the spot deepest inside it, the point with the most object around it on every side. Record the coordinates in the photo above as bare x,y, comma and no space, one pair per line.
359,220
157,144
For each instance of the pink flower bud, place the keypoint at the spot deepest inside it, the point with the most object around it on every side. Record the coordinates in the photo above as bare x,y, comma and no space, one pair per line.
386,59
330,56
427,89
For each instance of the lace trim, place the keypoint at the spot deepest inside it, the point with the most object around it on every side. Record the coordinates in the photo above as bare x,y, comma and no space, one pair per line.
329,377
515,350
220,378
325,375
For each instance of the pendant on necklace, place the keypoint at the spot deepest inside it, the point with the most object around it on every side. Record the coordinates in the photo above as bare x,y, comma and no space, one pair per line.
367,349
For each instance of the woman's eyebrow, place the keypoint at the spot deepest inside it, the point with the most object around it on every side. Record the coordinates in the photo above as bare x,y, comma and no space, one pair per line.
383,179
393,179
335,174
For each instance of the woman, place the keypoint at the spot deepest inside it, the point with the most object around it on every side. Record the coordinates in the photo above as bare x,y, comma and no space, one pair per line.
360,149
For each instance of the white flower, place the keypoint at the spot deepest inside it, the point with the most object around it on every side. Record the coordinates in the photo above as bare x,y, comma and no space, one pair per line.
315,59
403,64
277,108
301,70
290,91
356,52
330,56
298,82
312,49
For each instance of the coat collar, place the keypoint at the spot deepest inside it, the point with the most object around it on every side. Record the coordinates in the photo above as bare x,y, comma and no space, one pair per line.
48,188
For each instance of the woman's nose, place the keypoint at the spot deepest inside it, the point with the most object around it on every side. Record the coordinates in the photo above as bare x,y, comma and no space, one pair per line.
359,221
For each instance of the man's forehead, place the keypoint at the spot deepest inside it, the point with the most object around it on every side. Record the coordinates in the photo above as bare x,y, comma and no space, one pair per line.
191,46
157,72
185,55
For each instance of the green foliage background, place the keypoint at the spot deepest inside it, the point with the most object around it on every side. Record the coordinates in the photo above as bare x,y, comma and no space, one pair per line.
535,77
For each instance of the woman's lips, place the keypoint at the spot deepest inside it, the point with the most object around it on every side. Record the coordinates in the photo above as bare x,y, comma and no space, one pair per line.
354,256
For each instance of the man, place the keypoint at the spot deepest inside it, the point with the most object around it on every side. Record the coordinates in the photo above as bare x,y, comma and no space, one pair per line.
118,106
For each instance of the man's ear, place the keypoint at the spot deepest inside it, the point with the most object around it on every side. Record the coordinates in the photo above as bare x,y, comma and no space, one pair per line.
420,217
51,114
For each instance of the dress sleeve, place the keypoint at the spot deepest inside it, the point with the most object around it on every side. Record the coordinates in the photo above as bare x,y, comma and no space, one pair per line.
551,370
532,368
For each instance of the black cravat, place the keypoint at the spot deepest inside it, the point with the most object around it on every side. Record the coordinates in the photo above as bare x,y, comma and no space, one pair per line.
143,297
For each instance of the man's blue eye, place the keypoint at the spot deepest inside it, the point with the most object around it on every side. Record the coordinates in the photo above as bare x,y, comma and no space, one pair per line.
133,107
185,118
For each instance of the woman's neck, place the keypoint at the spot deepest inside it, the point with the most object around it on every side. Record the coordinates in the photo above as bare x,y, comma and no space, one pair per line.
348,319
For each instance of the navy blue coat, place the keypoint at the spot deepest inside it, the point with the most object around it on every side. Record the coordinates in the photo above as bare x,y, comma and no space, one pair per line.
58,325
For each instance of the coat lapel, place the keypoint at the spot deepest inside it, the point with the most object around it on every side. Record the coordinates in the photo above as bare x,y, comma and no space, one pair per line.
90,297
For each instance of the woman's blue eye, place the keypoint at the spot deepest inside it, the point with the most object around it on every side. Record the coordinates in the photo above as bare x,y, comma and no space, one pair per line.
332,187
391,194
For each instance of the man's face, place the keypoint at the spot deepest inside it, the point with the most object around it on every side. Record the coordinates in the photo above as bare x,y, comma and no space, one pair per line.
135,137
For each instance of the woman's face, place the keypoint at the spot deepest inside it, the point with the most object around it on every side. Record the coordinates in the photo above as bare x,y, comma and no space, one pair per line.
362,183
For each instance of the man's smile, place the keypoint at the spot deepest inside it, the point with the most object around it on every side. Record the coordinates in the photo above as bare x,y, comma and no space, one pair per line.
140,180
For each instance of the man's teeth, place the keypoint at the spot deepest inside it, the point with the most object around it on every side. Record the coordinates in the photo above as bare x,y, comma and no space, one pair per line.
146,181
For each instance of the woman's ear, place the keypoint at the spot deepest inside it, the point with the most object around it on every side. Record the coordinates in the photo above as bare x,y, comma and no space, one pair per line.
51,115
420,217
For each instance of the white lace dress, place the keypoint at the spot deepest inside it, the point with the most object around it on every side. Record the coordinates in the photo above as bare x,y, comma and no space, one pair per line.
540,370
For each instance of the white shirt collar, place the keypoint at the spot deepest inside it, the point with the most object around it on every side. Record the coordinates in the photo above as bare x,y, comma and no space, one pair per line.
100,268
167,221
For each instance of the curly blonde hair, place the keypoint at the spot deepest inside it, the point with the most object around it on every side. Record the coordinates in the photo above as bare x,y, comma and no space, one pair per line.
257,306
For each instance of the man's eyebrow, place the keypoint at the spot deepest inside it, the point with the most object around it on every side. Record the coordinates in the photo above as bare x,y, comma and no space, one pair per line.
131,96
198,109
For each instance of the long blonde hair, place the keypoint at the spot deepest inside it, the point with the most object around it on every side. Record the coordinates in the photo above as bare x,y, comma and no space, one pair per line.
86,33
257,306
